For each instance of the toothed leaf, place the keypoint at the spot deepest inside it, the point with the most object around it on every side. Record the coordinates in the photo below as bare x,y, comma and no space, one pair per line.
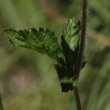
71,33
70,46
43,41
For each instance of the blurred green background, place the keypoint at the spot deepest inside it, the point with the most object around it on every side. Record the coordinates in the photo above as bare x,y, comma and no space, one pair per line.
28,80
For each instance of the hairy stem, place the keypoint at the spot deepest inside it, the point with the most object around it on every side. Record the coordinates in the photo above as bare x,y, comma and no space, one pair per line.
81,52
1,104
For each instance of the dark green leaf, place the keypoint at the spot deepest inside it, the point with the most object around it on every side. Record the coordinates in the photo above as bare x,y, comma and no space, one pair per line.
70,41
70,46
40,40
45,41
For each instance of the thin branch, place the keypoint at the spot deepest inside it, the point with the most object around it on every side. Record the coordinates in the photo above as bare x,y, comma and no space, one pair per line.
49,12
82,38
99,37
81,52
77,98
91,33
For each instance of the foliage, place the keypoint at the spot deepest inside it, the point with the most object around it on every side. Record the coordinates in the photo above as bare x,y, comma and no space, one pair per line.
40,40
45,41
70,44
94,80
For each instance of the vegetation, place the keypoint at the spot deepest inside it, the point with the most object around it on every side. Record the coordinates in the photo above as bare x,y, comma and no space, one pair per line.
27,81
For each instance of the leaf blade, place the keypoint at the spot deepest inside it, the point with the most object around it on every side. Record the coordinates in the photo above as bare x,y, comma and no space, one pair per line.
43,41
71,33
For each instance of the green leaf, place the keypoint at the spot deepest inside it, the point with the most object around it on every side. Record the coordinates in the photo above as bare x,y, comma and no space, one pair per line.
70,41
70,46
43,41
71,33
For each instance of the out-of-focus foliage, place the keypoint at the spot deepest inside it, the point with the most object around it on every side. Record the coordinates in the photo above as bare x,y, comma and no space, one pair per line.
28,80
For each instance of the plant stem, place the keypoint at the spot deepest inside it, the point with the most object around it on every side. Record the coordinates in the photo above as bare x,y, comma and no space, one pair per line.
81,52
1,104
82,38
77,98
